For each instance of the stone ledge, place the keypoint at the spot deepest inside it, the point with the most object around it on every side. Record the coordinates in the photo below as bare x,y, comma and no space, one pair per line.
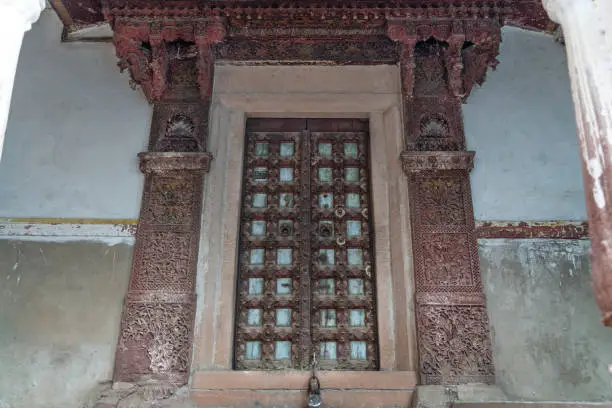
298,399
161,162
298,380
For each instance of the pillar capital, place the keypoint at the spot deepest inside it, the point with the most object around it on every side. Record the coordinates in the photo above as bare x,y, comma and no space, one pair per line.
470,48
155,50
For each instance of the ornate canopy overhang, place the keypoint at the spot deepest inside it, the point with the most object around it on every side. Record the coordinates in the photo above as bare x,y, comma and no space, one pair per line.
162,43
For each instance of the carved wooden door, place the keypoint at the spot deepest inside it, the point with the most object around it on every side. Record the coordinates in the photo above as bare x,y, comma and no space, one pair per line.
306,271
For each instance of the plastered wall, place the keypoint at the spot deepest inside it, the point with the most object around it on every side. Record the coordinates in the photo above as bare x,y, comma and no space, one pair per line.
521,125
74,130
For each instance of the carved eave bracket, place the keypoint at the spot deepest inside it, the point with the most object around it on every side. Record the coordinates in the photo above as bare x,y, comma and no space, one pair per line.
471,47
163,162
415,162
142,46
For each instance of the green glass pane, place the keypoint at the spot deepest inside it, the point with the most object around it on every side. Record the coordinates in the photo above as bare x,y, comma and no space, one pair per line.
325,149
256,286
254,317
325,175
351,174
328,318
286,149
358,350
357,318
355,256
350,150
258,228
283,256
283,286
261,149
286,174
282,350
328,350
253,350
355,287
260,200
283,317
353,228
353,200
257,256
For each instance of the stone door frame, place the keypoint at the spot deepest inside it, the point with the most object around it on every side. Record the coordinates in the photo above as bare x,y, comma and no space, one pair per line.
213,376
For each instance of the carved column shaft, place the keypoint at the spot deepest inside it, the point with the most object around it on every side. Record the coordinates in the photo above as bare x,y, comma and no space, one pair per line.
588,38
452,323
158,320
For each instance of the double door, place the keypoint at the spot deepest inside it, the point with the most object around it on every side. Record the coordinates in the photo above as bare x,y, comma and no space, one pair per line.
306,279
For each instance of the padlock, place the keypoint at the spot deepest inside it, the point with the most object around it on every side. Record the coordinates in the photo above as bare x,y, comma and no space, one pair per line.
314,393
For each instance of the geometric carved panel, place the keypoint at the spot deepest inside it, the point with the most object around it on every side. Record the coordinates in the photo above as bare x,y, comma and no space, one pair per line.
454,344
446,260
163,263
171,200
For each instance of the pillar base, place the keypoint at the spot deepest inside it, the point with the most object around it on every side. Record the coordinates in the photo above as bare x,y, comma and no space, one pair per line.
151,394
445,396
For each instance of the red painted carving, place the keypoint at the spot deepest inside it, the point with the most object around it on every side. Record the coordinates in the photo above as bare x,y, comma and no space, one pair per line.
453,333
147,48
533,229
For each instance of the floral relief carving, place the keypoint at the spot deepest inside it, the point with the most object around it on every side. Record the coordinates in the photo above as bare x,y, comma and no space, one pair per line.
162,333
441,201
446,259
454,345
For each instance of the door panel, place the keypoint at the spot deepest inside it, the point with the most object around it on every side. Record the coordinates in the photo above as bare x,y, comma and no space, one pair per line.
306,276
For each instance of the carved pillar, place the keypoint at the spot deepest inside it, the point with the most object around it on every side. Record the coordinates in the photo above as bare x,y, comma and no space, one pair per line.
588,39
16,17
158,319
452,323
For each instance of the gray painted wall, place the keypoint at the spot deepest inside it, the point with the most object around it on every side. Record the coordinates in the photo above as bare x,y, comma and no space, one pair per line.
521,125
60,308
73,133
548,341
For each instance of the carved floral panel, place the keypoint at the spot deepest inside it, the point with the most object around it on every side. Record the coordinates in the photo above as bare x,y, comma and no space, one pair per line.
454,344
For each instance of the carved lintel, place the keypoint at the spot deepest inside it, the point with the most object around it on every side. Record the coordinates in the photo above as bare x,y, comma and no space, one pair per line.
159,162
207,34
413,162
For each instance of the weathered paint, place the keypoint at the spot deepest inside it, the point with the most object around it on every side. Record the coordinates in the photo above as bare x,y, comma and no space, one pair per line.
109,231
60,305
548,343
586,27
